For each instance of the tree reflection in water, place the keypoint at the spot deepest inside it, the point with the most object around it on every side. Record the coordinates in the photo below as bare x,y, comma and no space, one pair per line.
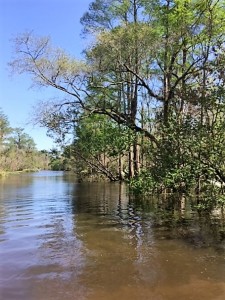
66,240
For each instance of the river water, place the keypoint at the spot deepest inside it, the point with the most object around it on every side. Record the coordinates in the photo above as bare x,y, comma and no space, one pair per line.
60,239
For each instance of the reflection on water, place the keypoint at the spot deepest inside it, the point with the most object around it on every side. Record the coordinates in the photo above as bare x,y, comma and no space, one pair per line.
65,240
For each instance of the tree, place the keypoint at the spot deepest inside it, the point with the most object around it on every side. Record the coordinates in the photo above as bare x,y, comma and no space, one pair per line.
5,129
18,151
155,69
103,146
21,140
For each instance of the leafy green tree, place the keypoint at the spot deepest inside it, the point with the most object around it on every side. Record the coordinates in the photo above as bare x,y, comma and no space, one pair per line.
150,91
21,140
103,146
5,129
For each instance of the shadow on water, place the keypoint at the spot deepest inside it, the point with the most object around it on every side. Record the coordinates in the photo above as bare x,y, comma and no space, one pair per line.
148,249
174,218
61,239
170,218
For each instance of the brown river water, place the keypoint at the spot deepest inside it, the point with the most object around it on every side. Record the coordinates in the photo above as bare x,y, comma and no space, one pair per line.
60,239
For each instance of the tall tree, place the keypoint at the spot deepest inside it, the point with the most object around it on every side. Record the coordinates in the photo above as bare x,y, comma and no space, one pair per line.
21,140
154,67
5,129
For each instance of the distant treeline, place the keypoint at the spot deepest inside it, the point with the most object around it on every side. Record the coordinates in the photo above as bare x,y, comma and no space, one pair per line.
18,151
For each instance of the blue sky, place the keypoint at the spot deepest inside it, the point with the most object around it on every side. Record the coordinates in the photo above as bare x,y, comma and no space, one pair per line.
59,19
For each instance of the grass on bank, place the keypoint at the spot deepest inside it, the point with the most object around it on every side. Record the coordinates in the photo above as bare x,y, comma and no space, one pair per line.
6,173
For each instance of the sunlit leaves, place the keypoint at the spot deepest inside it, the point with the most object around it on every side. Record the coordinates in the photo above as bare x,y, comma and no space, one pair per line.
153,67
47,65
5,128
98,134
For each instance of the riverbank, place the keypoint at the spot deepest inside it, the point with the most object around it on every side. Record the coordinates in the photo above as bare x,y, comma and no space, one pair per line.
6,173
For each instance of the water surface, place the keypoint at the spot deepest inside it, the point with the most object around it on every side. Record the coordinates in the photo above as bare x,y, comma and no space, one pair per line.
60,239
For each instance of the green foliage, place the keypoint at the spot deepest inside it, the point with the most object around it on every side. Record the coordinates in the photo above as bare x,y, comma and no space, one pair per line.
98,17
21,140
100,143
57,165
144,183
17,150
61,160
98,134
148,102
5,129
221,200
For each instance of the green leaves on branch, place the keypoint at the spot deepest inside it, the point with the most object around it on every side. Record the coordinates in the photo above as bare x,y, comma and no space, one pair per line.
148,101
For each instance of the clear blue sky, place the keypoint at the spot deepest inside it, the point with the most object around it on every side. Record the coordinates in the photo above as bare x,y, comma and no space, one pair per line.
59,19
